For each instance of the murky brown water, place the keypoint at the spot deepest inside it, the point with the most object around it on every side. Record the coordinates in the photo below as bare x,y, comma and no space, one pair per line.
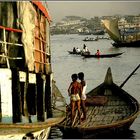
64,65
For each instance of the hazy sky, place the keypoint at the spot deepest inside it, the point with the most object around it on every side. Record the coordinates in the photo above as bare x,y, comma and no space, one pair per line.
89,9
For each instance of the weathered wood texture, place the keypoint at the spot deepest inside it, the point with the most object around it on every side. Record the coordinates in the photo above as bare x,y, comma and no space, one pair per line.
16,96
48,97
114,110
40,98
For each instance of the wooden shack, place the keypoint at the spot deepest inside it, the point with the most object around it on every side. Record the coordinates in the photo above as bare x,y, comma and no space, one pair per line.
25,62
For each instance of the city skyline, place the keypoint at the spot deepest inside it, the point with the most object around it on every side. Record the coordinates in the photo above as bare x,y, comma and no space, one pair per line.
88,9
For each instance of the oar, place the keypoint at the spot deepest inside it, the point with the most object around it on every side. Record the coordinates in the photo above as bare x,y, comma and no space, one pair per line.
129,76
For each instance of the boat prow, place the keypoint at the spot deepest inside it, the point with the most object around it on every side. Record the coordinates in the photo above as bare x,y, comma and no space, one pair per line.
108,79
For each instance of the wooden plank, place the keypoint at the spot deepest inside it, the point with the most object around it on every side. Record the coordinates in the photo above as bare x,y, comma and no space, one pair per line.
40,97
16,96
48,97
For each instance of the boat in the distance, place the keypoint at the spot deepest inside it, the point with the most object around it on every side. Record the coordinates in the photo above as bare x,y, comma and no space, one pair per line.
94,32
102,55
110,110
91,39
121,38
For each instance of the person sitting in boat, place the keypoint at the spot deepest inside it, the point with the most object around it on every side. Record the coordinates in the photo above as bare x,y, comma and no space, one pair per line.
78,50
74,49
83,95
98,52
85,50
86,39
74,91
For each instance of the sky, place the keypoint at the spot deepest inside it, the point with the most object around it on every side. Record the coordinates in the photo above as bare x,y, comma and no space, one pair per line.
88,9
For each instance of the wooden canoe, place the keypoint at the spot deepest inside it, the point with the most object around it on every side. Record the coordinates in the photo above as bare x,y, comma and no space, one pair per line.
110,110
77,53
102,55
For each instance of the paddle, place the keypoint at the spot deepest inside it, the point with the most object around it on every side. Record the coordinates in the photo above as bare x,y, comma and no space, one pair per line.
129,76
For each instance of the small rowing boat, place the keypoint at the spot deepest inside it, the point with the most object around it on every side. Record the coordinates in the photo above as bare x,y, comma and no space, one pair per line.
102,55
79,53
110,110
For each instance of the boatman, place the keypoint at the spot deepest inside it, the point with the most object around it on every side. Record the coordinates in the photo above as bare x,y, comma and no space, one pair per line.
85,50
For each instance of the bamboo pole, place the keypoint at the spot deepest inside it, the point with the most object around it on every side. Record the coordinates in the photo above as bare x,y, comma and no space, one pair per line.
129,76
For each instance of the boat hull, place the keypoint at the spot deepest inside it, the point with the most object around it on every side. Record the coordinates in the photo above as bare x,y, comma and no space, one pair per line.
102,55
102,133
127,44
78,53
104,117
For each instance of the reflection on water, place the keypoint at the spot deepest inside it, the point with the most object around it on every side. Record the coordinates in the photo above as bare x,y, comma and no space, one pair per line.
128,134
64,65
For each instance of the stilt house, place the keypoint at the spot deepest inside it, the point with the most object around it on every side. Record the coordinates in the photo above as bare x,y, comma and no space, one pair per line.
25,62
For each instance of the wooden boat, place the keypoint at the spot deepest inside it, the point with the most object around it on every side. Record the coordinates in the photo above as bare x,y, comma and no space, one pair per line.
78,53
110,110
91,39
127,44
102,55
124,38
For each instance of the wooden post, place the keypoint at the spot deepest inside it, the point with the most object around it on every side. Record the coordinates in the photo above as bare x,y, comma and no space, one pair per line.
48,96
16,95
40,98
129,76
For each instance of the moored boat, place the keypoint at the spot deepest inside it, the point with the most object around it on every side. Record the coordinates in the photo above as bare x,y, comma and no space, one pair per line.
102,55
121,39
110,110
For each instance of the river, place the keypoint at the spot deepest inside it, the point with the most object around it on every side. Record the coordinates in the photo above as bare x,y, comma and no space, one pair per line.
64,64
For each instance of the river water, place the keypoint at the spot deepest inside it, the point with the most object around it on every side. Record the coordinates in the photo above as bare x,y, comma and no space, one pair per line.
64,64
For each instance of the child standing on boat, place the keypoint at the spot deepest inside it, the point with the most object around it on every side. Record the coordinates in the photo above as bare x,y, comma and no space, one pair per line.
74,91
83,95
